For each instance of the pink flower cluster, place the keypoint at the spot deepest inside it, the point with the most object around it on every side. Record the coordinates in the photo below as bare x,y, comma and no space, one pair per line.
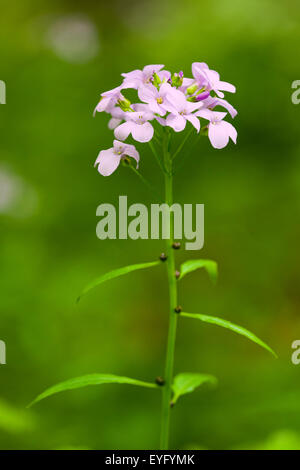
171,100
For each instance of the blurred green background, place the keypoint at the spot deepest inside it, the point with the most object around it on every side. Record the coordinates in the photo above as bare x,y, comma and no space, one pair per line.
56,59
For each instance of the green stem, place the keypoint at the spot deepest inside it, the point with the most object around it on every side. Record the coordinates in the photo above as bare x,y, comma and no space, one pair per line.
168,377
182,143
153,149
145,182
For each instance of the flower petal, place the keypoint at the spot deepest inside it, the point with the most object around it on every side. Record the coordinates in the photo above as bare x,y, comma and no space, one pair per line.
150,69
193,120
123,131
226,87
147,93
161,121
218,135
176,121
230,129
113,123
205,114
107,162
142,132
232,111
156,108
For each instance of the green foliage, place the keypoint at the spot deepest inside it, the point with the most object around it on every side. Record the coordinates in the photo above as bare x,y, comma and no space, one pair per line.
86,380
188,382
116,273
230,326
210,266
14,420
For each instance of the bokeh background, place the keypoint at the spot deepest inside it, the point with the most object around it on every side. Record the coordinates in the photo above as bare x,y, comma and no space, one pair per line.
56,59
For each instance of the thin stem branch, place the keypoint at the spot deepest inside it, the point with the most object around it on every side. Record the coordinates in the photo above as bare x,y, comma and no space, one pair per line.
186,154
156,156
167,389
145,182
182,143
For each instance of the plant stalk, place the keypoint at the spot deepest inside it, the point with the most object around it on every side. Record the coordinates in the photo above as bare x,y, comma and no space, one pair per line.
168,377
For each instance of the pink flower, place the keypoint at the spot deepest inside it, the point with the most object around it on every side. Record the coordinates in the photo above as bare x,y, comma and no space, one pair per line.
117,116
137,125
157,99
219,131
213,102
210,79
136,78
109,160
184,112
109,99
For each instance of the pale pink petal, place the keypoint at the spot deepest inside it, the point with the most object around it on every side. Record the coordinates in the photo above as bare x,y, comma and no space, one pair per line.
197,69
191,107
150,69
113,123
176,121
164,75
164,89
102,105
156,108
220,94
205,114
134,74
147,93
140,107
231,131
122,132
186,82
193,120
176,98
219,102
226,87
218,135
142,132
107,162
161,121
218,115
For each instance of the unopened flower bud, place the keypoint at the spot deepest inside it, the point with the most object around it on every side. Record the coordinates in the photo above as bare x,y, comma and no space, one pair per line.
125,104
178,309
156,80
202,96
163,257
177,79
192,89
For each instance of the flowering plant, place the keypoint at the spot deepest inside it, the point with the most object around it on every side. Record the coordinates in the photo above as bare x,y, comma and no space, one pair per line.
170,99
173,101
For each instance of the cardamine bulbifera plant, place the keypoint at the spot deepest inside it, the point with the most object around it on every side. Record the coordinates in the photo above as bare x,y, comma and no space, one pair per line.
168,103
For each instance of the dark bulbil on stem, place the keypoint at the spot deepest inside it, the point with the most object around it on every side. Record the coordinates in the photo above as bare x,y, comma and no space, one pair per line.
178,309
159,381
176,246
177,274
163,257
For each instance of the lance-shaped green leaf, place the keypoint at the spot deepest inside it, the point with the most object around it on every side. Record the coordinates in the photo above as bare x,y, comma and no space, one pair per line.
210,266
188,382
91,379
116,273
230,326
